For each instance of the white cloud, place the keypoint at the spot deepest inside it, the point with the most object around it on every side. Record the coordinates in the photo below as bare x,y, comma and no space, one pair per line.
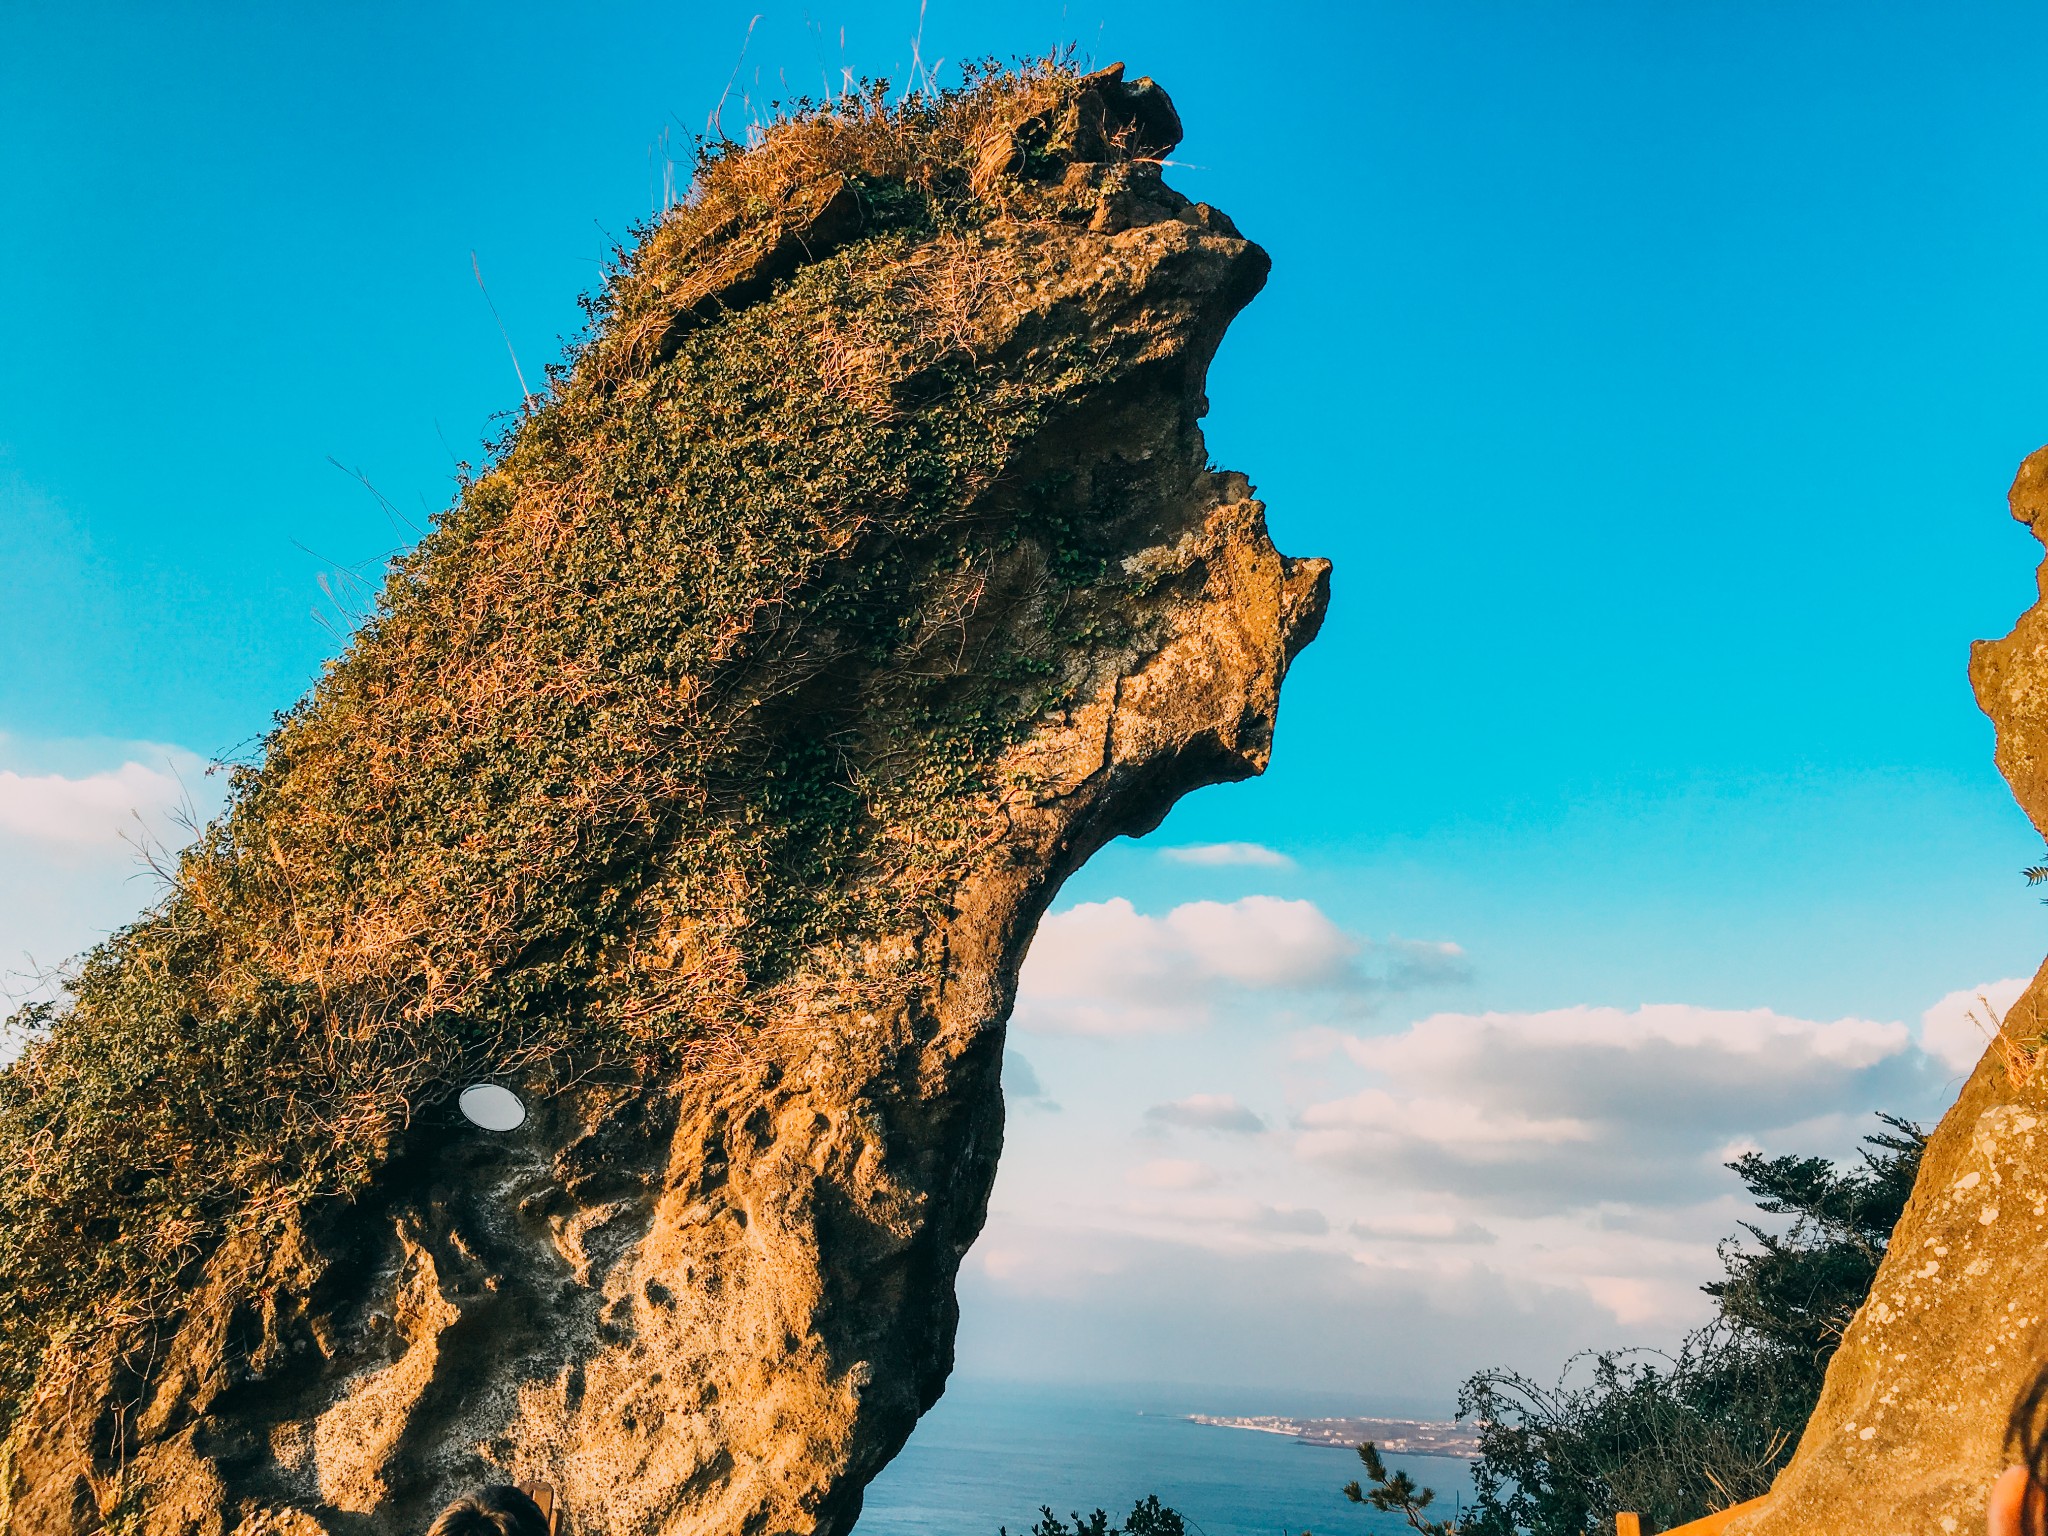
1052,1303
1021,1087
1106,968
75,818
1295,1220
1227,855
1573,1107
1259,941
1956,1030
1207,1112
1231,1221
1635,1300
1568,1163
1423,1229
1173,1173
97,809
1479,1133
1412,964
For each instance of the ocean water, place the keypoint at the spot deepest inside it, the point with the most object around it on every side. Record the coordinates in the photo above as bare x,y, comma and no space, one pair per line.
990,1453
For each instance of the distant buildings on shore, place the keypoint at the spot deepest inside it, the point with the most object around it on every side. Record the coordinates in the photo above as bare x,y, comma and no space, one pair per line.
1399,1437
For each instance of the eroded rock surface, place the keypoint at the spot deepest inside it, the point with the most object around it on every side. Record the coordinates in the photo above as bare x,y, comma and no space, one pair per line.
716,1297
1910,1430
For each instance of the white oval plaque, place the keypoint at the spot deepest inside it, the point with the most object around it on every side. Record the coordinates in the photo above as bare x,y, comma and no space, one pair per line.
492,1107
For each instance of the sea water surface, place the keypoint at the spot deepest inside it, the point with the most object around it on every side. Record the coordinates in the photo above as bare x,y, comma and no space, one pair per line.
991,1453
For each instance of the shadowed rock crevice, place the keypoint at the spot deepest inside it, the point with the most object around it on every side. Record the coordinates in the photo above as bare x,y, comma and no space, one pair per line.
703,776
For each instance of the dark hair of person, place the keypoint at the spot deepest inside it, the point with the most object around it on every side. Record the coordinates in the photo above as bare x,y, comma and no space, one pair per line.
2027,1433
498,1510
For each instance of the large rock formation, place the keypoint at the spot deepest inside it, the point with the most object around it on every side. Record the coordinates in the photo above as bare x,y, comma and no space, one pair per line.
1910,1429
703,776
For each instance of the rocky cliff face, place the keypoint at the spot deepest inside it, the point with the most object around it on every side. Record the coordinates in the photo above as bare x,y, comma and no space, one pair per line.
1909,1433
703,778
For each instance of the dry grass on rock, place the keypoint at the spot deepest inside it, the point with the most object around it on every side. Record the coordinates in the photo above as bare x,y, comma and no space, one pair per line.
697,687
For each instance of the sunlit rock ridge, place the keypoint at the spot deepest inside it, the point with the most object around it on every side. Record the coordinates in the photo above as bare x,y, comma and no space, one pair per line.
701,777
1910,1430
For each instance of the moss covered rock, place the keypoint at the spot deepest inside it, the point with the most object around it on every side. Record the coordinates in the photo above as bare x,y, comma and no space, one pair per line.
701,775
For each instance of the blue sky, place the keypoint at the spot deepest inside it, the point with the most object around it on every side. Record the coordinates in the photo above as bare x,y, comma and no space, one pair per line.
1653,374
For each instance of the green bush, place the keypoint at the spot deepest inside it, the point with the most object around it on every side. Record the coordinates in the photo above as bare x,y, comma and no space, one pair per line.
1395,1493
1677,1437
1148,1517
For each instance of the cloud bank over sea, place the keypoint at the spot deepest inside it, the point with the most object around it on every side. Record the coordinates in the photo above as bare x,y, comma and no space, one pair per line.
1105,968
1246,1143
1285,1156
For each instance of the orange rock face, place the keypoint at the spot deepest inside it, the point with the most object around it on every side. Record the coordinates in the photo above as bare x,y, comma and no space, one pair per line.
718,1299
1909,1434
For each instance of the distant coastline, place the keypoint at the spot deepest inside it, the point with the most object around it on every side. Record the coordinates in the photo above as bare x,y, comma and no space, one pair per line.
1400,1437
